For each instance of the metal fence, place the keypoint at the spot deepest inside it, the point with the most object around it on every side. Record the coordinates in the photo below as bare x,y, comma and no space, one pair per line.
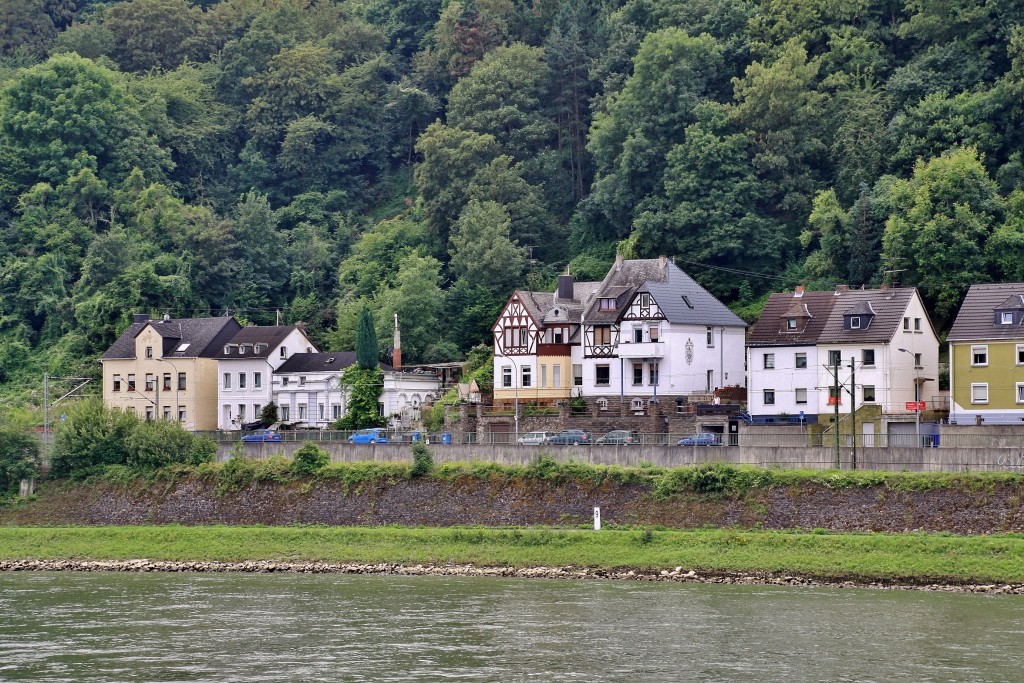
747,437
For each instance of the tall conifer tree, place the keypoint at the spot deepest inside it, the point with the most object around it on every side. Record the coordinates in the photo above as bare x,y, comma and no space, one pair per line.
366,341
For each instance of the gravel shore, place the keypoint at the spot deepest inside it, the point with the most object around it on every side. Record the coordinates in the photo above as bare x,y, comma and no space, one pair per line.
675,574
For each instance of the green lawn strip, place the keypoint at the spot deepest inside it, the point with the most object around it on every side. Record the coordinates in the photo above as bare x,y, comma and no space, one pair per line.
912,557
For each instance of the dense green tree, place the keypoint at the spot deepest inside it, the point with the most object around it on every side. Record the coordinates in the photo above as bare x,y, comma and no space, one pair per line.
19,458
69,114
672,74
151,34
367,348
91,435
942,218
708,208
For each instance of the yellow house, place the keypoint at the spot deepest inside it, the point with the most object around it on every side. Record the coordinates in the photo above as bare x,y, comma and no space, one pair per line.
166,369
986,356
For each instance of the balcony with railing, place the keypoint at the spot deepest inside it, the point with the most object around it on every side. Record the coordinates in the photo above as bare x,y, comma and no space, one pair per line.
650,349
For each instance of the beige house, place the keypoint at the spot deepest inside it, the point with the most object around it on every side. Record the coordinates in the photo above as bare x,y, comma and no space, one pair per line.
167,369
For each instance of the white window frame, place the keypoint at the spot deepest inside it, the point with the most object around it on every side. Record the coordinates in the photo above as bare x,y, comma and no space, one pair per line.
1020,392
1006,318
765,397
769,361
796,361
227,380
979,349
854,322
506,377
975,400
801,396
865,395
527,376
1020,354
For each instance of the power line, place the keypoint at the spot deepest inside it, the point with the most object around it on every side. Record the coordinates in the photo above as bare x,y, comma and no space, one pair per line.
735,271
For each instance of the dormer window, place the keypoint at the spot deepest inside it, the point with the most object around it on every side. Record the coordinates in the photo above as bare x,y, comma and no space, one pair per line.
241,350
227,349
854,322
791,324
607,304
1006,318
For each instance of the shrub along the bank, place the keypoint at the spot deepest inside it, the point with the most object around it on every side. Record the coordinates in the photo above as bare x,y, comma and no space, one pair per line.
93,436
711,480
19,458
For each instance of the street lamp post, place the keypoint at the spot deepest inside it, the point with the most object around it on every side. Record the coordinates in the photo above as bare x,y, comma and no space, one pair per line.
515,385
177,415
917,399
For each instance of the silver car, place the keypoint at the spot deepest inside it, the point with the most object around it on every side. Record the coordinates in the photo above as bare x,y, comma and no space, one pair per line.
535,438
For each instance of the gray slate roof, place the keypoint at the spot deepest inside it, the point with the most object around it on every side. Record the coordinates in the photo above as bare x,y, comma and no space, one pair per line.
770,328
321,362
889,306
976,320
268,337
668,285
205,337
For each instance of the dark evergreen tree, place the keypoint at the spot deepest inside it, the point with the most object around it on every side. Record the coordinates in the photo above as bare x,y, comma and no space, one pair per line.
367,350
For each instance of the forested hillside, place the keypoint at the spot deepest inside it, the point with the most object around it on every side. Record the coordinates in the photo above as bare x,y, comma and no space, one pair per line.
302,158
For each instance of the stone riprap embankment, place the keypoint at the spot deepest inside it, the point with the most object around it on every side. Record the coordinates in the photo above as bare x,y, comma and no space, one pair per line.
676,574
994,508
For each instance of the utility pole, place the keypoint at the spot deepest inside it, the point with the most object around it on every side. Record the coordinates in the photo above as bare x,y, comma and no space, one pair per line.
853,408
837,396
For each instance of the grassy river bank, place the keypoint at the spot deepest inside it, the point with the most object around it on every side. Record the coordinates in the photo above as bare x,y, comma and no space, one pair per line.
862,558
705,521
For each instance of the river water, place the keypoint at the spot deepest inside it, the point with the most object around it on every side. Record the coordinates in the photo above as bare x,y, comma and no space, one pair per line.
290,627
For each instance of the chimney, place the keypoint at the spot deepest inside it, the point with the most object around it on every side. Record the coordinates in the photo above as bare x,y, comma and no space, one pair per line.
396,356
140,318
799,291
565,286
618,262
662,261
167,317
842,289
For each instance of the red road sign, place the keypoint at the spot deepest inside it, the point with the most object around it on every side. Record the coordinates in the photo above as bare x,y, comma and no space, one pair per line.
916,405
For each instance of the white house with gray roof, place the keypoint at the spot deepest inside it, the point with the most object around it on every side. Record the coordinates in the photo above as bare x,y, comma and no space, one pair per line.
309,394
646,331
650,331
246,364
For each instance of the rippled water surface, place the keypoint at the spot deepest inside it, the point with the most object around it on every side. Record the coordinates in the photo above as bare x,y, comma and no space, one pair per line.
209,627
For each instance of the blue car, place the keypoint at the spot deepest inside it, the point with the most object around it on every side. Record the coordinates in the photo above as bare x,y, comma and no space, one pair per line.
701,439
263,435
372,435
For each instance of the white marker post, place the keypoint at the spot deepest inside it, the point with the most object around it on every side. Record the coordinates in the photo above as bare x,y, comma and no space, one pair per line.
597,519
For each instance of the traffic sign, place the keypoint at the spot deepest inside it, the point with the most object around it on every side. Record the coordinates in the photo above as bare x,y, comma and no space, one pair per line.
916,405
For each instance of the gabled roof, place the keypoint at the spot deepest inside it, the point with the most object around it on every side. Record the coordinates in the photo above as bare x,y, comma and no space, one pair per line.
976,320
1012,303
770,328
321,362
182,337
888,306
268,338
664,281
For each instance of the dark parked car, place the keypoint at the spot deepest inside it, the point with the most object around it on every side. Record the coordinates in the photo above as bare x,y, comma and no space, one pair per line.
571,436
263,435
701,439
619,437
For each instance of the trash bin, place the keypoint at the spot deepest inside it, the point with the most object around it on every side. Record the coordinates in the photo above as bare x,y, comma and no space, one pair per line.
446,439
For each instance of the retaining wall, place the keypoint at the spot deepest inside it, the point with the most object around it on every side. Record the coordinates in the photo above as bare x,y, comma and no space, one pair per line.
893,458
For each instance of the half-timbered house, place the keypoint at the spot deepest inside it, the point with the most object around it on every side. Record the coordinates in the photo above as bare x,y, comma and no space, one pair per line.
647,331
